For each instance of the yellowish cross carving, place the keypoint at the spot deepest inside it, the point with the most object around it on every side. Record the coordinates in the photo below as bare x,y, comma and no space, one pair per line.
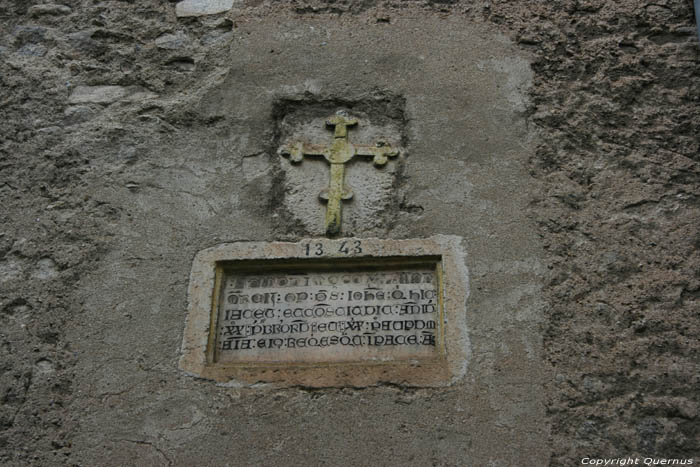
337,154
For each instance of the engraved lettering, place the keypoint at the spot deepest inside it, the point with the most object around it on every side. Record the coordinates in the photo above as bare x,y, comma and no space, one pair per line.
338,316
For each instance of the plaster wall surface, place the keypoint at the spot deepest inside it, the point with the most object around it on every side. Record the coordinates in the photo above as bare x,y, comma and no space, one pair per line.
220,179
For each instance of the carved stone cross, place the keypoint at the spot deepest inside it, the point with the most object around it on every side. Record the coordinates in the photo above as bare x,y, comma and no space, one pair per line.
337,154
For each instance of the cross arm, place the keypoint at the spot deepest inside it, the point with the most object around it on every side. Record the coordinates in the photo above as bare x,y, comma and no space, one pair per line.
379,153
297,150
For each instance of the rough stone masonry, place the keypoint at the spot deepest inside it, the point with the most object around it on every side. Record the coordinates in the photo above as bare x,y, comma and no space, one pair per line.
559,140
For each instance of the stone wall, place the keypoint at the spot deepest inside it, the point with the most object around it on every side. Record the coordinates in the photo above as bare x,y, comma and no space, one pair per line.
616,97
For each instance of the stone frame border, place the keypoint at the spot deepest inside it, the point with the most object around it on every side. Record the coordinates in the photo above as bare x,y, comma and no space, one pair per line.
446,251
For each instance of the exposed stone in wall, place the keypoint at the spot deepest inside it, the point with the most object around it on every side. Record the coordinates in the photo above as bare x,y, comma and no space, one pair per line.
202,7
617,99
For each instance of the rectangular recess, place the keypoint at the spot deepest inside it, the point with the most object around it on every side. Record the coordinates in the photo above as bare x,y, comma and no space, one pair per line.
327,311
441,258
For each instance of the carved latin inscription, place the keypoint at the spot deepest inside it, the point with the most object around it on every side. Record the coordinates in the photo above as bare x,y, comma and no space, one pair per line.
328,313
313,316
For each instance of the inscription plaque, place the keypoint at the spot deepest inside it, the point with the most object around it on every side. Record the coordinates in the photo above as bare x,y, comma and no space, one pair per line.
326,316
323,312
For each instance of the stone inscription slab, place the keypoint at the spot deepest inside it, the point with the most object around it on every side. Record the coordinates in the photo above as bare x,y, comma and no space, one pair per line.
328,313
329,316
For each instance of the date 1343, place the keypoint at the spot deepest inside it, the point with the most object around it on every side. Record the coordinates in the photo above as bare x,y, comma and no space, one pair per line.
347,247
